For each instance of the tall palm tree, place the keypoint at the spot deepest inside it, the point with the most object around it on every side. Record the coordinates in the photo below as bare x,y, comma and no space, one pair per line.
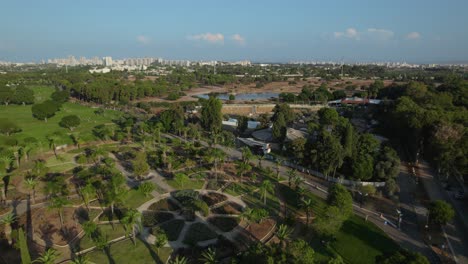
27,149
246,154
40,168
8,220
307,205
278,163
115,191
53,141
87,193
48,257
179,260
242,168
291,175
216,155
130,219
31,184
160,238
81,259
89,229
5,166
283,233
59,203
260,158
208,256
17,152
265,188
297,181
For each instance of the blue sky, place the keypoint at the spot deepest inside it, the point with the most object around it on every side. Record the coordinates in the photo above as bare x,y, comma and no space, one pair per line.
360,30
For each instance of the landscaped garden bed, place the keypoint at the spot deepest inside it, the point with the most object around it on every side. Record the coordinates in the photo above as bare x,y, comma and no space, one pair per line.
198,232
172,228
164,205
213,198
151,218
224,224
230,208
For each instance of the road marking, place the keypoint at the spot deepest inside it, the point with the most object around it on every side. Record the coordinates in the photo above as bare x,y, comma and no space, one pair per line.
450,246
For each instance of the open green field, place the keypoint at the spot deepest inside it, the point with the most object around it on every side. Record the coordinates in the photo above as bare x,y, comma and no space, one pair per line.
125,252
357,241
38,129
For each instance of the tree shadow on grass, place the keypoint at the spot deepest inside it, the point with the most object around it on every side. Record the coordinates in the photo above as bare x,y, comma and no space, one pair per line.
151,251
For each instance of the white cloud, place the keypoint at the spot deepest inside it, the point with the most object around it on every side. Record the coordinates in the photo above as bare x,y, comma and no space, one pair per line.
144,40
351,33
380,33
208,37
238,38
413,35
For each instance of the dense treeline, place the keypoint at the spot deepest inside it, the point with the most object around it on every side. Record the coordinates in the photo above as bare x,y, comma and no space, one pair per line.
430,121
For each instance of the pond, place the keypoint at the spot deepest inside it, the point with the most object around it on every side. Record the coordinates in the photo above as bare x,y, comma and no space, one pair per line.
243,96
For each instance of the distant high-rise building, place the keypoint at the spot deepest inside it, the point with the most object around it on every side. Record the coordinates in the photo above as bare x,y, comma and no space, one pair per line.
107,61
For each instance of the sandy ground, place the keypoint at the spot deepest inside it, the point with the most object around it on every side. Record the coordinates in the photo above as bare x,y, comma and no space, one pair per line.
276,87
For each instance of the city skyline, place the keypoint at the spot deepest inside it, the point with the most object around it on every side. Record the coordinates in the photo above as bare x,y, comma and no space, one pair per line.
362,31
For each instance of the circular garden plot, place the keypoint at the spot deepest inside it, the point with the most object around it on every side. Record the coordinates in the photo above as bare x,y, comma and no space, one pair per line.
190,217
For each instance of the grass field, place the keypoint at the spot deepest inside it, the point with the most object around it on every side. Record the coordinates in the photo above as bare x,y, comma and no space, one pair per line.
191,184
125,252
38,129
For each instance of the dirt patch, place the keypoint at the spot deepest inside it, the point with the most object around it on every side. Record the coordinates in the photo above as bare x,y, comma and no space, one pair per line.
46,225
213,198
260,230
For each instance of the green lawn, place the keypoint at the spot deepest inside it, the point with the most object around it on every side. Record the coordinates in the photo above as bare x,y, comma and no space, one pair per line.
356,235
191,184
125,252
38,129
42,93
134,199
62,163
111,231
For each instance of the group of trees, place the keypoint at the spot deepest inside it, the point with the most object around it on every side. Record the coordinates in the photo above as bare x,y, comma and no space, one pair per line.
334,146
20,95
430,122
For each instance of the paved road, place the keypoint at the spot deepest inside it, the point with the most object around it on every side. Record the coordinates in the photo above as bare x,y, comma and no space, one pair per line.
409,237
456,233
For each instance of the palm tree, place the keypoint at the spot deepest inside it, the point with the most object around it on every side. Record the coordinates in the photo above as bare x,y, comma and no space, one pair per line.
31,184
208,256
5,162
161,238
178,260
59,203
53,141
81,259
246,154
27,151
17,153
130,219
87,193
40,168
48,257
247,215
8,220
307,205
297,181
291,175
217,155
242,168
77,140
283,233
89,228
265,188
115,191
260,158
278,167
